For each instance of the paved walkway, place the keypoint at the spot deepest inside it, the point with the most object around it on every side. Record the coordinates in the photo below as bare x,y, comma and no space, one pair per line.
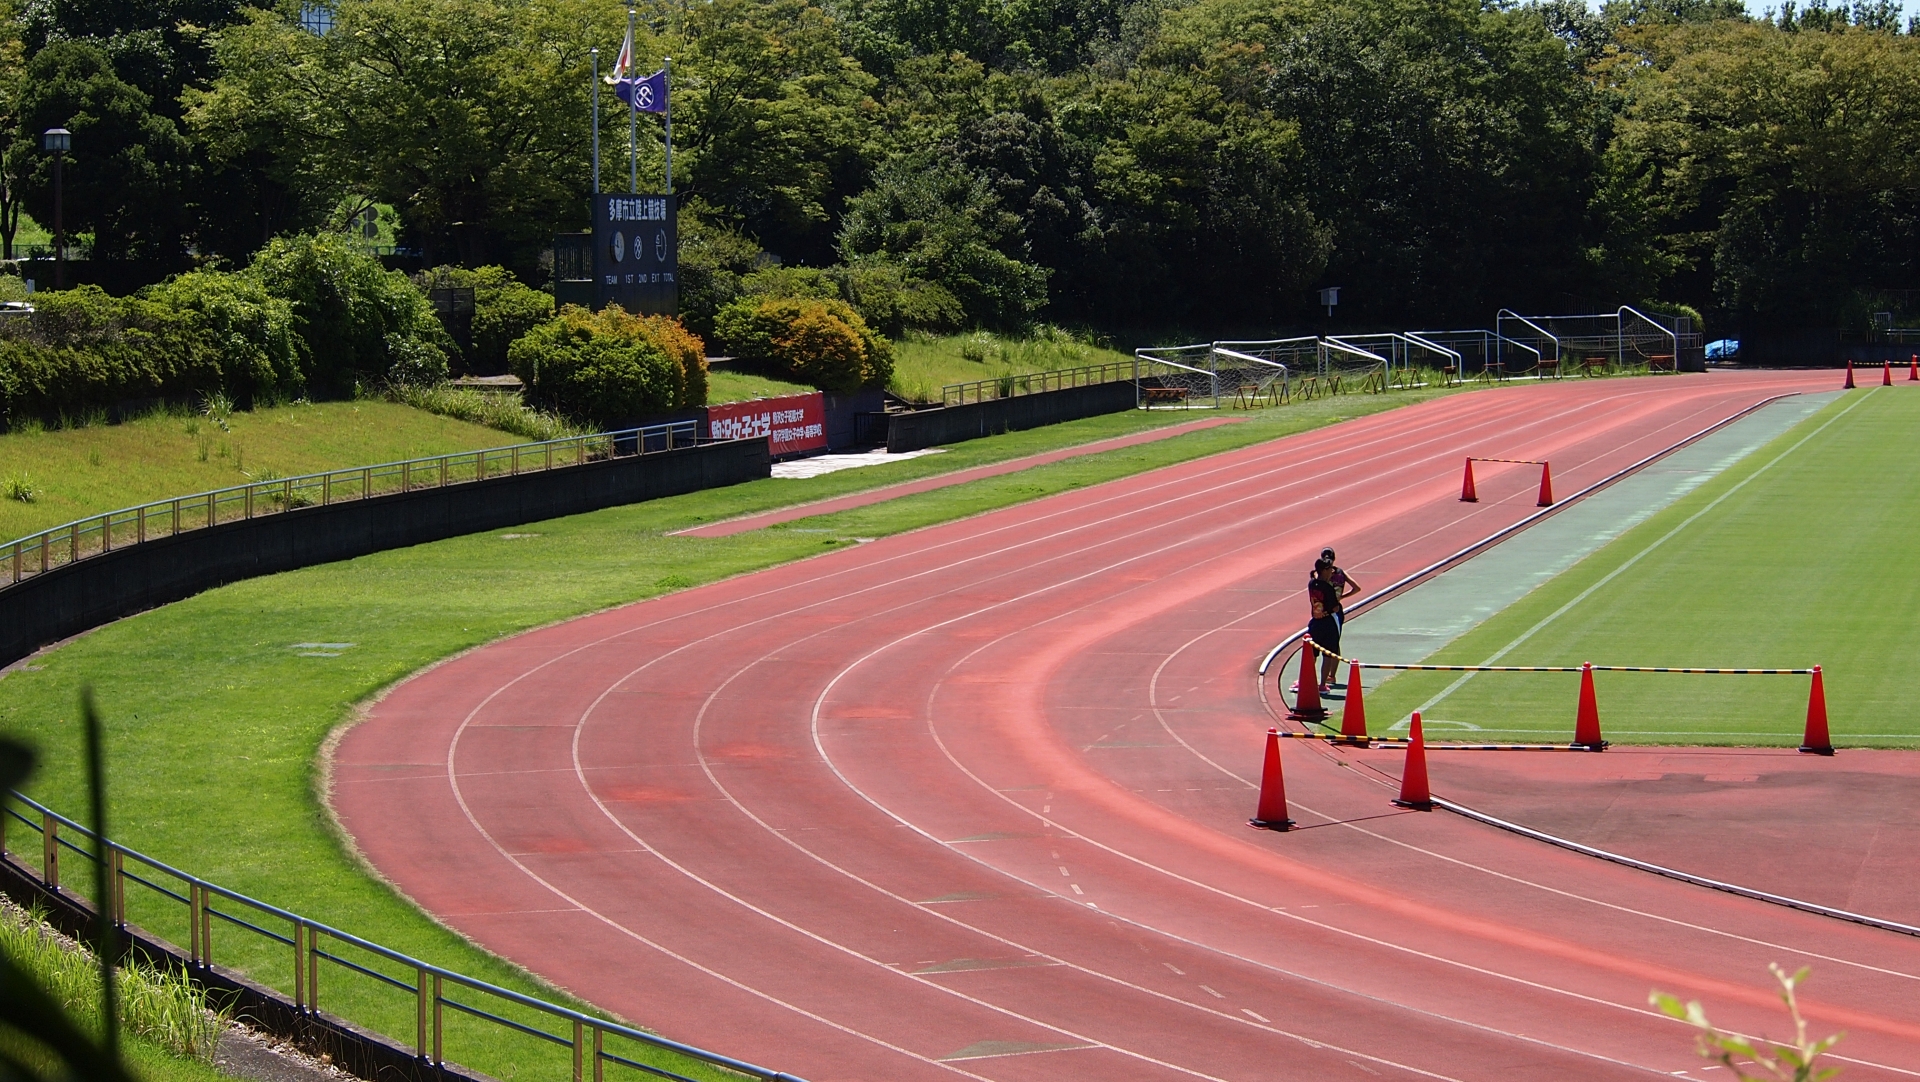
929,484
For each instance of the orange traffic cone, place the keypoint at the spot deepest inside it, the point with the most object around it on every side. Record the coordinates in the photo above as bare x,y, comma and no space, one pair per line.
1546,485
1271,812
1467,495
1306,694
1353,719
1817,742
1586,724
1886,373
1848,386
1414,792
1913,369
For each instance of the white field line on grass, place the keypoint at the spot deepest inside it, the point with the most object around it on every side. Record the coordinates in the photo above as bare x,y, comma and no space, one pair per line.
1622,569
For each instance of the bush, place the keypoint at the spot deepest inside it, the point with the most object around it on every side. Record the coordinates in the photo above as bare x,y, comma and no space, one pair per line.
607,367
713,262
819,341
83,351
249,332
503,310
351,314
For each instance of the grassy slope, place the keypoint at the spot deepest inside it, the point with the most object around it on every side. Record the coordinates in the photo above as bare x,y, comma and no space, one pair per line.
924,364
726,385
211,711
1808,563
85,471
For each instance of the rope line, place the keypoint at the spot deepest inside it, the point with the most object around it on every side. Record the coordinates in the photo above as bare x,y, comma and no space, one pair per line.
1324,652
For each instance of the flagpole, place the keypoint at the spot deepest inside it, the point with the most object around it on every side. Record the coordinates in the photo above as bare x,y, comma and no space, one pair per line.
596,120
633,128
669,89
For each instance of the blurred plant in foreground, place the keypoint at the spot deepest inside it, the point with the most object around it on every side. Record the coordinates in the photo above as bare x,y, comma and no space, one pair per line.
1787,1063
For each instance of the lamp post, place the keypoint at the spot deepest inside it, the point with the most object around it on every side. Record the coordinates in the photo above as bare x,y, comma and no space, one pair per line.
57,141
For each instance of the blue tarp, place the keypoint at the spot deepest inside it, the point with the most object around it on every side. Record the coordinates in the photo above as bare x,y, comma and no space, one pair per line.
1723,349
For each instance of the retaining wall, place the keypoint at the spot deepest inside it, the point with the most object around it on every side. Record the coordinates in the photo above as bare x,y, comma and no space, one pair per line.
951,424
90,592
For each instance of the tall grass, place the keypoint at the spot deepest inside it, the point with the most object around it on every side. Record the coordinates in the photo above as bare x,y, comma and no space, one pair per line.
491,408
161,1005
925,363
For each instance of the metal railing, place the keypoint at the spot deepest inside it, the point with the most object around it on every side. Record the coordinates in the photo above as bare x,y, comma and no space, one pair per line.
48,550
1058,379
437,996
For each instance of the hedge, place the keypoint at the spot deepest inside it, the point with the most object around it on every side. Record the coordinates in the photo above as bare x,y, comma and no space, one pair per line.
817,340
608,367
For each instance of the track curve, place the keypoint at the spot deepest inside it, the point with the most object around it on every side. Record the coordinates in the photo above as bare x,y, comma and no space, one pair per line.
969,801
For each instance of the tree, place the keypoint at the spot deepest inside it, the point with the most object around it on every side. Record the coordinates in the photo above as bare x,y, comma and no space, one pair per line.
124,175
1765,169
469,117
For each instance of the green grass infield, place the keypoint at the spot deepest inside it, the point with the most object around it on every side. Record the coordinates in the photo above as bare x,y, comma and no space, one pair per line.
1801,555
216,712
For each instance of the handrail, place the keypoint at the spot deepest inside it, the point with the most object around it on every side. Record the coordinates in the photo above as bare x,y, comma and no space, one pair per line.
1054,379
431,1032
98,534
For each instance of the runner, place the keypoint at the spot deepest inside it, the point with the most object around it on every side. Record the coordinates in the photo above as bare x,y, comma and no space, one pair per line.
1344,585
1324,627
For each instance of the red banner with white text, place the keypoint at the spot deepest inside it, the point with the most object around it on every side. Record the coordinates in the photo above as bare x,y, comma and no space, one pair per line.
791,424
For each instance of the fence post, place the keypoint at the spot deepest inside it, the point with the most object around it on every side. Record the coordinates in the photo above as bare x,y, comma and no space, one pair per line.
599,1064
438,1057
247,509
443,471
421,991
193,921
299,966
117,860
49,850
73,550
579,1048
19,555
366,482
213,511
140,525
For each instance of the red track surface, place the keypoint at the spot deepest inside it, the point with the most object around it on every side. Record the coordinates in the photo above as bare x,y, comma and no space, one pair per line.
971,800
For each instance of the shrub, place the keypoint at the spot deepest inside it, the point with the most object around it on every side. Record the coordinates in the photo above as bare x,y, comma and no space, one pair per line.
820,341
249,332
84,351
351,313
610,366
713,262
503,310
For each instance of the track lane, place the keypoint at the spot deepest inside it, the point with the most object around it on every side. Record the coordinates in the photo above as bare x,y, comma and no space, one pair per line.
768,766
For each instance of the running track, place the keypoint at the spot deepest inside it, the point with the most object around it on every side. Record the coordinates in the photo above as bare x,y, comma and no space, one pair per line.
969,802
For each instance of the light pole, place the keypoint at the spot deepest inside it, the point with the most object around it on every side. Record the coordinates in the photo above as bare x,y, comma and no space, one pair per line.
57,141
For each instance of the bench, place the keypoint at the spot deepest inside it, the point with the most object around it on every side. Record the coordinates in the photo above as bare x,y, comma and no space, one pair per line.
1590,364
1166,394
1661,362
1548,368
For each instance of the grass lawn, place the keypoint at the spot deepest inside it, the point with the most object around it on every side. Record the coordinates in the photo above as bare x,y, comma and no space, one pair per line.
76,472
215,720
1801,555
923,363
726,385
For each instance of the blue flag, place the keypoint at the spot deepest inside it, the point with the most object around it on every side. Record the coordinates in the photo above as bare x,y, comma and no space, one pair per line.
648,95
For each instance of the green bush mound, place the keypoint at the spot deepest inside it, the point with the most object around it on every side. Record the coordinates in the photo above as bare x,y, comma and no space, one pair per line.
816,340
608,367
311,317
504,308
361,323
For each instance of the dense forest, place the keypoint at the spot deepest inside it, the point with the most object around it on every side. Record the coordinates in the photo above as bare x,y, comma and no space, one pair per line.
1113,163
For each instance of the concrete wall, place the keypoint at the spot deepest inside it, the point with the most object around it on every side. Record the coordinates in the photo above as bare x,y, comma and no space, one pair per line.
951,424
78,596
